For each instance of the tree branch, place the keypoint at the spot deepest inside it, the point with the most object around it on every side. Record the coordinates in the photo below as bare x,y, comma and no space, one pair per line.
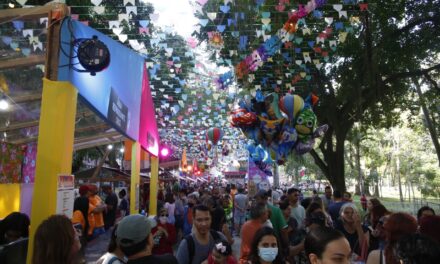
407,74
321,164
409,26
433,83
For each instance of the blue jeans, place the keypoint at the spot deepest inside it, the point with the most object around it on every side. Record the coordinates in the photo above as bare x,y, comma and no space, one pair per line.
98,231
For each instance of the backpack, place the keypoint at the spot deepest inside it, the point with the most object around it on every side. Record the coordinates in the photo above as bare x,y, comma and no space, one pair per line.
191,246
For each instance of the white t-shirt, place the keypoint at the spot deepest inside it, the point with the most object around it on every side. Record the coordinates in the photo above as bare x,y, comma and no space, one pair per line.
108,257
299,213
171,208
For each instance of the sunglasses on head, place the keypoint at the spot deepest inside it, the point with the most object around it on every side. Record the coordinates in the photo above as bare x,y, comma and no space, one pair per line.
164,215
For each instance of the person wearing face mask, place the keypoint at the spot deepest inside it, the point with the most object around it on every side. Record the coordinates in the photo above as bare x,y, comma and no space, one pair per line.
327,245
265,248
164,235
187,215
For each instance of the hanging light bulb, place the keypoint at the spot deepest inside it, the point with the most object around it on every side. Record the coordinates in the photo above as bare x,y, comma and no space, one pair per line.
4,104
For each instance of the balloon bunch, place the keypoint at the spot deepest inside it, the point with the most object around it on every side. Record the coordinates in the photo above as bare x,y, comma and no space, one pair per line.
277,125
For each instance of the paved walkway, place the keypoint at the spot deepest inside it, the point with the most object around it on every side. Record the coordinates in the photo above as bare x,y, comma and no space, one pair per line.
98,247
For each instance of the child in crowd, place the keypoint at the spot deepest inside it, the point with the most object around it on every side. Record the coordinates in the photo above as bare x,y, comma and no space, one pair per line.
221,254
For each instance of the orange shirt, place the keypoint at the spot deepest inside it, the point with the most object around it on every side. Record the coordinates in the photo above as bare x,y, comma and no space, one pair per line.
78,218
91,218
247,235
95,200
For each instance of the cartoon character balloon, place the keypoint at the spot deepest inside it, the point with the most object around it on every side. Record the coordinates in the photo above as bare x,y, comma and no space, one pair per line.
272,106
214,135
243,118
305,123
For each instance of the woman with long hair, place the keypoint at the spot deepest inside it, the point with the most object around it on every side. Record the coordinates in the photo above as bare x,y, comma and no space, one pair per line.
371,203
376,235
56,241
317,206
81,217
266,248
396,226
327,245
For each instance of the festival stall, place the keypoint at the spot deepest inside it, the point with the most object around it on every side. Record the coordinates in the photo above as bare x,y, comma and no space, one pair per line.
112,83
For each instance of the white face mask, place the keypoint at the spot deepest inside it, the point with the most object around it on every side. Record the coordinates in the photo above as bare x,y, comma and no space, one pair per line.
163,220
268,254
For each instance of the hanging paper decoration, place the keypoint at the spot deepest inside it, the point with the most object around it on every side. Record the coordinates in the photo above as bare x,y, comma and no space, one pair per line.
274,43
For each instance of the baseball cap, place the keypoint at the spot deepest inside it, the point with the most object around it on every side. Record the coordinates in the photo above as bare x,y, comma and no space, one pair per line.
133,229
83,189
262,193
93,188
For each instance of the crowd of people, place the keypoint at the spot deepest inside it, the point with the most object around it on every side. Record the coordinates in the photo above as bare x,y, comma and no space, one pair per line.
201,224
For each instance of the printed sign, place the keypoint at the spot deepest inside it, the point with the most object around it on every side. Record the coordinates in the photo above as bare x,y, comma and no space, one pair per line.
65,195
117,111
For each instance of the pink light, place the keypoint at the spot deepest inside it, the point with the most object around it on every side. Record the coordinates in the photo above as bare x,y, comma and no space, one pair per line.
164,152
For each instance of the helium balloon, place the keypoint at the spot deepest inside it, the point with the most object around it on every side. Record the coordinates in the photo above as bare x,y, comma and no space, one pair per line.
302,147
287,139
214,134
242,118
253,133
272,106
291,105
270,128
305,123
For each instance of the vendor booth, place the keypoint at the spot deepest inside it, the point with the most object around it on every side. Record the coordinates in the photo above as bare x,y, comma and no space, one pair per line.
48,120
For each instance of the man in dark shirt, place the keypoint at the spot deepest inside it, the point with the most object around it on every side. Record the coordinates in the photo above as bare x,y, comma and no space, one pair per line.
134,237
335,207
217,213
111,201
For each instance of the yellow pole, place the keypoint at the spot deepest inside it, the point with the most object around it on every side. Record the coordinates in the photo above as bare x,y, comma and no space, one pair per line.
154,181
135,177
55,148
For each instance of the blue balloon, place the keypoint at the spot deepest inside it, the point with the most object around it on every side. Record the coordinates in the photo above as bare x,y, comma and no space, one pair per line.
259,96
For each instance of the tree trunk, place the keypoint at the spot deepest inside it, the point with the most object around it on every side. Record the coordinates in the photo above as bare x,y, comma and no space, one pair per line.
431,128
276,175
358,162
399,178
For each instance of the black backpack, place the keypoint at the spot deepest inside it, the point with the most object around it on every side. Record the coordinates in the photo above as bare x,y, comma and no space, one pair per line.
191,246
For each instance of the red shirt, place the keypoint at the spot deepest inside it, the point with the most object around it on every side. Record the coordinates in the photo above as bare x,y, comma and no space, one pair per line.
165,243
247,236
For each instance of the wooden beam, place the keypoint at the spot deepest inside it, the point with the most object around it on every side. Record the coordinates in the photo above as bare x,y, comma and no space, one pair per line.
92,127
26,98
25,13
77,141
34,123
95,137
97,143
21,62
19,126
